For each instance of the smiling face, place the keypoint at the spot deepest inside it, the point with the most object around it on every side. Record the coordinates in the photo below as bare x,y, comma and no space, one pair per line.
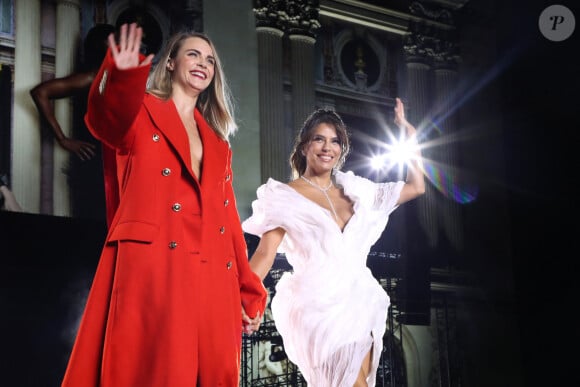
193,66
323,150
322,140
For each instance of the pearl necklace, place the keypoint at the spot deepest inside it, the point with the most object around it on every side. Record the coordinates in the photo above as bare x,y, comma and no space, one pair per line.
324,191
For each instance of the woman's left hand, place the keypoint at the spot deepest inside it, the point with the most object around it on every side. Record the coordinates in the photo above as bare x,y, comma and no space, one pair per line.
126,53
250,325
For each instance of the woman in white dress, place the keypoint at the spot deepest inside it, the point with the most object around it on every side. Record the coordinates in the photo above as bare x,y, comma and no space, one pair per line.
330,310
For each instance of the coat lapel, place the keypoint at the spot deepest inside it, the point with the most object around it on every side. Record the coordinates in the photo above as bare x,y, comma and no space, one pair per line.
165,116
215,152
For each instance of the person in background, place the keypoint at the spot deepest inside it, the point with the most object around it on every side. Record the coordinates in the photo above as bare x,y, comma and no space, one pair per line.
173,291
85,170
330,310
8,201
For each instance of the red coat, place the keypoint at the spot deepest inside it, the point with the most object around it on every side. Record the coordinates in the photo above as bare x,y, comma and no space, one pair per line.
165,304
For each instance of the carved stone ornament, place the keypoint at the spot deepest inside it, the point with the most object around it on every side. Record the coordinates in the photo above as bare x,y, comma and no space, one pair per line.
298,17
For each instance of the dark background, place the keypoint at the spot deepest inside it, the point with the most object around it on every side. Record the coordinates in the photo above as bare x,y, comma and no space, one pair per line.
47,265
540,114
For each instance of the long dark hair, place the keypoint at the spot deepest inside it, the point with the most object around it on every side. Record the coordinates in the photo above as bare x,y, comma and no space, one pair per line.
319,116
95,45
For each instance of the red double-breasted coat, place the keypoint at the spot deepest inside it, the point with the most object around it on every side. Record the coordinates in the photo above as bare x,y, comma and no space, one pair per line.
164,308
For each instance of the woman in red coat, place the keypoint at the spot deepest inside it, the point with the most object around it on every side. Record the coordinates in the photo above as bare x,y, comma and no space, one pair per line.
173,281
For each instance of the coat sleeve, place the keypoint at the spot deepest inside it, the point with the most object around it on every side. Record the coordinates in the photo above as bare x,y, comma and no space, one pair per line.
252,290
114,100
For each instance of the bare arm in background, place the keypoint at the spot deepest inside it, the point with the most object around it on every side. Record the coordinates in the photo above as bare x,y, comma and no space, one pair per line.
44,93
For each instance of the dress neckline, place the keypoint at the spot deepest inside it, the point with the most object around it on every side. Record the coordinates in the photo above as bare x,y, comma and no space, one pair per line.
325,210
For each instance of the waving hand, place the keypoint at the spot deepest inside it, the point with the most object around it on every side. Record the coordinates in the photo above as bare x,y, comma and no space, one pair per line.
126,53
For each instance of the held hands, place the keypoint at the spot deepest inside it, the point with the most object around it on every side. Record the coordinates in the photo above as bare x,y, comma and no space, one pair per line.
126,53
250,325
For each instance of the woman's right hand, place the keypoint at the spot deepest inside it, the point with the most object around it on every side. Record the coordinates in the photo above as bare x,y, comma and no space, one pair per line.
84,150
127,53
250,325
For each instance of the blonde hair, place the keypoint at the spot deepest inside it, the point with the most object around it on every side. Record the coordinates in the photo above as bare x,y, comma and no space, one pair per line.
215,103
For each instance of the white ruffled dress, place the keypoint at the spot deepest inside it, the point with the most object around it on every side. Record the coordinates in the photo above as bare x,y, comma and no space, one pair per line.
330,309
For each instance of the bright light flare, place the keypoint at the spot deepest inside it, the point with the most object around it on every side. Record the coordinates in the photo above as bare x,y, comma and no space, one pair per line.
399,153
377,162
403,152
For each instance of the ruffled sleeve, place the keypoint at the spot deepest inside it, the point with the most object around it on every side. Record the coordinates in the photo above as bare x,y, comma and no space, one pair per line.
381,197
279,205
262,219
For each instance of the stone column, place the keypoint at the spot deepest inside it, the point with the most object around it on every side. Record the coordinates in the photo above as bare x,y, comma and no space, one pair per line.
193,14
25,136
273,137
420,224
67,45
301,26
418,101
447,154
302,79
438,210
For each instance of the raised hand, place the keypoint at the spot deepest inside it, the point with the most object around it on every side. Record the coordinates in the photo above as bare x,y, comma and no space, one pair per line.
126,53
400,119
